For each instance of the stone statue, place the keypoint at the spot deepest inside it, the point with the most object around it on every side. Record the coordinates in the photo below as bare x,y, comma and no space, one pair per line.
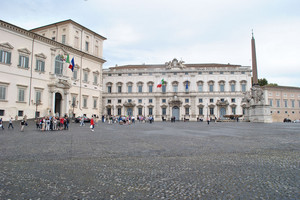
257,95
174,64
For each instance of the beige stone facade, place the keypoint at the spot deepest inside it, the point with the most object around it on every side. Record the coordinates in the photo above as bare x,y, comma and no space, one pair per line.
34,74
190,91
284,102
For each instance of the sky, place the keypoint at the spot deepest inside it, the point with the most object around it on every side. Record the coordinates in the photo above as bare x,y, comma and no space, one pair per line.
195,31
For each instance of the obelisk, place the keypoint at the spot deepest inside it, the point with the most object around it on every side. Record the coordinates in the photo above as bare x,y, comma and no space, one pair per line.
254,64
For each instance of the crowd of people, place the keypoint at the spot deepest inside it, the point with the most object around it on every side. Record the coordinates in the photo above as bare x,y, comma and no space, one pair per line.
52,123
126,120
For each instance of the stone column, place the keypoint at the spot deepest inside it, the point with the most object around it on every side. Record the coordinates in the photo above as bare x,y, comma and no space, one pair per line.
53,103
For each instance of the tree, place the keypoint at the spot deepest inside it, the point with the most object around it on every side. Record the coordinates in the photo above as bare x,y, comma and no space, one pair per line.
262,82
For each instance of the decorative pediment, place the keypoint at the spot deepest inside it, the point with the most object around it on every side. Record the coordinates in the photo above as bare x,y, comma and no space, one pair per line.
222,103
96,72
86,69
129,104
60,50
64,84
24,50
41,55
175,64
6,45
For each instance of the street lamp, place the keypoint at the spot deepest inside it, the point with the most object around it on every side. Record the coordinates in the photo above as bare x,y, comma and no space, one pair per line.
73,106
37,103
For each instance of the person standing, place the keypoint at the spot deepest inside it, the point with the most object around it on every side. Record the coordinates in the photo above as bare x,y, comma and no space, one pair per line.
208,119
10,123
92,124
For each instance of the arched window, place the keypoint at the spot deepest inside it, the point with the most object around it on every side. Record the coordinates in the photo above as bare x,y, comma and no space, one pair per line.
59,63
200,86
140,87
129,87
175,86
222,86
211,86
232,86
243,85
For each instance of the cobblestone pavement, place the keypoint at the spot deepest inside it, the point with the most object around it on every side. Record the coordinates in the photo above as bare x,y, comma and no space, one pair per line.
152,161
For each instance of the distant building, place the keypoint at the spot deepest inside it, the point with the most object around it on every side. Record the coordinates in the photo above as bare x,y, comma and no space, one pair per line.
188,91
34,77
284,102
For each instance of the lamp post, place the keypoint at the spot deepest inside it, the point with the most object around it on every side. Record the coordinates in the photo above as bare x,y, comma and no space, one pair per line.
37,103
144,110
73,106
207,112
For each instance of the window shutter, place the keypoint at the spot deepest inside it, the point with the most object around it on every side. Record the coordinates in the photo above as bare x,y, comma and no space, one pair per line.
37,65
1,52
20,57
26,62
43,66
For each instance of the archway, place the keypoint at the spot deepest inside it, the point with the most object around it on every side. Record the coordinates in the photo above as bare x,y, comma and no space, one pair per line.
175,113
57,107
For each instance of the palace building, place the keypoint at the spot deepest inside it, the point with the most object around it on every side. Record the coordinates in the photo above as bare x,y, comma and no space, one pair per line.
284,102
35,78
188,91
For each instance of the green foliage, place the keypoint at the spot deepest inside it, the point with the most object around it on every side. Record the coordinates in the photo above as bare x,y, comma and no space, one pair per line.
272,84
262,82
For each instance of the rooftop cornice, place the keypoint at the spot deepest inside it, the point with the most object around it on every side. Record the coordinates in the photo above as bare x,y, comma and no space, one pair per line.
35,36
68,21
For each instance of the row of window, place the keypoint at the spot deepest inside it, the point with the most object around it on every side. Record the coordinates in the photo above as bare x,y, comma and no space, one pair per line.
173,73
141,111
175,87
20,113
20,94
84,102
76,43
200,100
5,57
284,95
286,112
285,102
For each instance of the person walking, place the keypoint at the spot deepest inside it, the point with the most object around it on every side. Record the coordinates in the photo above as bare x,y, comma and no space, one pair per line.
92,124
82,121
208,119
1,124
22,124
10,123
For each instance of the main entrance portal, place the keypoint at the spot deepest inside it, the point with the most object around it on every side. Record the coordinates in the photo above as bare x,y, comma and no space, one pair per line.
175,112
129,111
222,112
57,107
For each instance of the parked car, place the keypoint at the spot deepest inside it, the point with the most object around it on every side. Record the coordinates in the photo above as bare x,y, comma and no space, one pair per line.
297,121
287,120
78,119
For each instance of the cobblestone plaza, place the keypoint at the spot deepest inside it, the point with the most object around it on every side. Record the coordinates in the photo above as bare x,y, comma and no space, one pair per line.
162,160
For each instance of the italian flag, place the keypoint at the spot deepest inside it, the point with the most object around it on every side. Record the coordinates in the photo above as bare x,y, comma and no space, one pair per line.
161,83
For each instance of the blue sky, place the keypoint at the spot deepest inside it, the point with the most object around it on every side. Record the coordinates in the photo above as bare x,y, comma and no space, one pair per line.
196,31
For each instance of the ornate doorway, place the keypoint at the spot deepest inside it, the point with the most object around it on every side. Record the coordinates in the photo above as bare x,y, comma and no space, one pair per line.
129,111
57,107
222,112
175,112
